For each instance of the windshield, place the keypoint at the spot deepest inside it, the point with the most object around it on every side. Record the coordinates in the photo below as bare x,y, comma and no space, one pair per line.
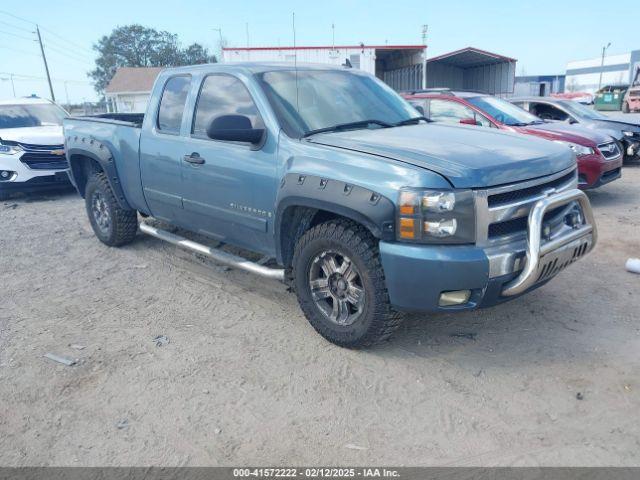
580,110
34,115
316,99
503,111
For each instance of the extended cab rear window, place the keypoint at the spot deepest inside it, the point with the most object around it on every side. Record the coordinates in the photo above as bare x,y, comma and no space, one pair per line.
174,98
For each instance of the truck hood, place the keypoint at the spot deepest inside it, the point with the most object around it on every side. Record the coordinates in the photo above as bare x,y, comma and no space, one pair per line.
469,157
47,135
567,133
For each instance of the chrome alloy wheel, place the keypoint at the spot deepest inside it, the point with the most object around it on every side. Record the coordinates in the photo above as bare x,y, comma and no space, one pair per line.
336,287
100,212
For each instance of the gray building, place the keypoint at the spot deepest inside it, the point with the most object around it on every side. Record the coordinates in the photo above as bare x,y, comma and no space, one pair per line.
585,75
538,85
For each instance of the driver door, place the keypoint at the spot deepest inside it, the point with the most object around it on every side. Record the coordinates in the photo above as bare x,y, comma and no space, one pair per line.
229,193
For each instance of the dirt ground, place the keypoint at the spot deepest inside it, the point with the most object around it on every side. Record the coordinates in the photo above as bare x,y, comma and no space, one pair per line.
244,378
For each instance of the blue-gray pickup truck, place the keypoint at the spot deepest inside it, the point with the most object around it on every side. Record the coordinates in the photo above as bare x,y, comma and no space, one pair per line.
365,208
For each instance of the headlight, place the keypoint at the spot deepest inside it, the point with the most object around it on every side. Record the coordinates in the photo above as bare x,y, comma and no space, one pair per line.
626,133
436,216
10,149
579,150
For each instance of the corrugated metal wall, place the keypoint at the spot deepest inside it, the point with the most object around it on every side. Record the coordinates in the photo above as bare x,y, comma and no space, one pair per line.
497,78
407,78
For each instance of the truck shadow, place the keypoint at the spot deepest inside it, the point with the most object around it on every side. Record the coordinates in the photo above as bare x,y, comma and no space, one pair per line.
45,195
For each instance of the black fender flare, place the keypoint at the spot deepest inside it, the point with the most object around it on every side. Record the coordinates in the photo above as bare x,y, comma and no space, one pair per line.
366,207
99,152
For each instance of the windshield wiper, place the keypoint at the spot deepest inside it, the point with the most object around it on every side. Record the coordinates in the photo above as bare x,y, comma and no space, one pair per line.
411,121
347,126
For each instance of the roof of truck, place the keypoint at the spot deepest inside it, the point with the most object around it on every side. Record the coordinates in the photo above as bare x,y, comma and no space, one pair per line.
257,67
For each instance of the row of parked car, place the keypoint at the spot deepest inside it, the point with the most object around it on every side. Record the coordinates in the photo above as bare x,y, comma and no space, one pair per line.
365,206
601,144
32,151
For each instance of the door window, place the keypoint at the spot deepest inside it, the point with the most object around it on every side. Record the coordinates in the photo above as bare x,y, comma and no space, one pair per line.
547,112
223,95
446,111
172,104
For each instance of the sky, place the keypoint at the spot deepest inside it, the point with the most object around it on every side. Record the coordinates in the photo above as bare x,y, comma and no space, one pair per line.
542,35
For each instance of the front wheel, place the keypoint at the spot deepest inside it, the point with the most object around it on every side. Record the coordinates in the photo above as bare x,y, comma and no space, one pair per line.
625,107
340,285
113,225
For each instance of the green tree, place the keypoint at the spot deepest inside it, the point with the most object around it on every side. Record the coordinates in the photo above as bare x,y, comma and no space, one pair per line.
139,46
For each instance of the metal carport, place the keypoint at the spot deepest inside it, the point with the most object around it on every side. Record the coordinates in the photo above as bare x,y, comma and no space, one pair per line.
472,69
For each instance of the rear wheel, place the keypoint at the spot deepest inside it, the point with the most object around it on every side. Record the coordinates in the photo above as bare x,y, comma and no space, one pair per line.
113,225
340,285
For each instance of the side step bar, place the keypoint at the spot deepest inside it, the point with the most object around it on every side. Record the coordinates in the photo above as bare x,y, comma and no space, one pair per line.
219,256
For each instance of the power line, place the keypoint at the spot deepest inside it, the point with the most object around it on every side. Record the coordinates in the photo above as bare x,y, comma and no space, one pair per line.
16,27
35,77
67,40
18,36
19,51
22,19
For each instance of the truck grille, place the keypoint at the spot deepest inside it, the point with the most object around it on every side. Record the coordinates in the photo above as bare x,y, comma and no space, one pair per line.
519,225
503,211
609,150
40,157
515,195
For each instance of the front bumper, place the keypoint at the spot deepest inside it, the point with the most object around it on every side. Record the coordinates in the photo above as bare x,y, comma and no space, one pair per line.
594,170
24,178
417,275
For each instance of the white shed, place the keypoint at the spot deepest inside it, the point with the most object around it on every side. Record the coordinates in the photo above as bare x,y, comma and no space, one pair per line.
398,65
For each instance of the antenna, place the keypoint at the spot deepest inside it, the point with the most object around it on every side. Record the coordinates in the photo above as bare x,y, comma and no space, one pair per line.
425,30
295,58
333,36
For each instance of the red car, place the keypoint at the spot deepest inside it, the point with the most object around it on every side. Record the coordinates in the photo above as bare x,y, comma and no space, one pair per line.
599,156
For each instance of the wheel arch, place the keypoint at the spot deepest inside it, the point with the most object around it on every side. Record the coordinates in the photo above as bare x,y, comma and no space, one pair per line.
87,156
305,201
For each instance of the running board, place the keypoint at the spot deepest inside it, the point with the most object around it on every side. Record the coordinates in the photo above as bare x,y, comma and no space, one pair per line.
219,256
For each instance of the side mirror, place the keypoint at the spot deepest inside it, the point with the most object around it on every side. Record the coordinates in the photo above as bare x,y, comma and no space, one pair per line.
468,121
420,109
234,128
572,120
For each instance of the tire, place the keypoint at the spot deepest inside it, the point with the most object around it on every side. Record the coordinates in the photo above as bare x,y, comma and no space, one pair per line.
113,225
625,107
367,318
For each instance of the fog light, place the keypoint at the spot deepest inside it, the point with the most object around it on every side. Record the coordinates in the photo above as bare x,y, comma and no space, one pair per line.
455,297
5,175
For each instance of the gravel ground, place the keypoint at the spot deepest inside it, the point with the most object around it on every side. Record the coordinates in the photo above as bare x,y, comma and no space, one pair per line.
549,379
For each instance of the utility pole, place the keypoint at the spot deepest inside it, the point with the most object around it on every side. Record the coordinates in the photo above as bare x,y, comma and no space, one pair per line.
66,91
219,30
46,67
13,87
247,27
425,29
604,49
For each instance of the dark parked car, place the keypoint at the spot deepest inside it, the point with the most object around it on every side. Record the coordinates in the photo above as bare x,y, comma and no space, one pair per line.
599,158
627,133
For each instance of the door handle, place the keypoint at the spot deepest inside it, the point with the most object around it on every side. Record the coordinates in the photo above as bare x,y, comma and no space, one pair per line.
194,158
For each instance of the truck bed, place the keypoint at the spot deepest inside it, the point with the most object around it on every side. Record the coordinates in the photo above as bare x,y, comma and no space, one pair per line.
113,134
129,119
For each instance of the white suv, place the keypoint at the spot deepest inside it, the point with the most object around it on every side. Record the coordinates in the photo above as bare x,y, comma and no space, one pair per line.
31,145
